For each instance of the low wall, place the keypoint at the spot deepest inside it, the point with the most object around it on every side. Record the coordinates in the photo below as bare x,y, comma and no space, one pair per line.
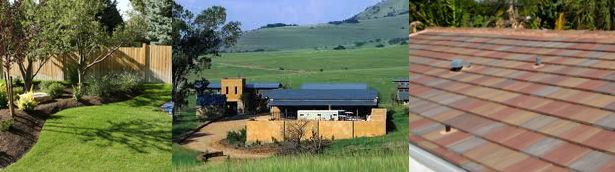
268,131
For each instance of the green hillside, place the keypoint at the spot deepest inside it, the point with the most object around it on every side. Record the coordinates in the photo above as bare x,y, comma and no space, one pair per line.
384,9
374,66
379,24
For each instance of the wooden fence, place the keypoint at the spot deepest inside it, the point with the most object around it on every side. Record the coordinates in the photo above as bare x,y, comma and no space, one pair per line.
153,62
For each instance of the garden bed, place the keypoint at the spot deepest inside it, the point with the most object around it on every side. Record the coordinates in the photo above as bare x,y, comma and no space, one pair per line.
24,132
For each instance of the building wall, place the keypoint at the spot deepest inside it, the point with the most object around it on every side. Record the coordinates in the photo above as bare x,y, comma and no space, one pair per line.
267,131
232,84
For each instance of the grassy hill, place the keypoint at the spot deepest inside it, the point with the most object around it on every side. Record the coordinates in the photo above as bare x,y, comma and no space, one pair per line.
379,24
374,66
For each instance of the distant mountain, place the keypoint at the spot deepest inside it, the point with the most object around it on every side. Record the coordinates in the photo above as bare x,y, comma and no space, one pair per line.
383,24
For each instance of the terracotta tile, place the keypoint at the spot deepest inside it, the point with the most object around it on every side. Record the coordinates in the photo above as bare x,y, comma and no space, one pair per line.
502,114
450,156
580,133
500,157
573,82
451,139
600,100
523,140
565,154
502,134
591,84
590,115
558,127
444,116
520,117
528,164
552,107
601,140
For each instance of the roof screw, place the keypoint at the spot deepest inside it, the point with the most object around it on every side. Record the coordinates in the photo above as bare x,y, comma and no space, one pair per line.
537,61
447,128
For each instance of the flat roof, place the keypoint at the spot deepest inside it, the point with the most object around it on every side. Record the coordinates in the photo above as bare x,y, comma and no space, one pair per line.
314,97
401,80
334,86
253,85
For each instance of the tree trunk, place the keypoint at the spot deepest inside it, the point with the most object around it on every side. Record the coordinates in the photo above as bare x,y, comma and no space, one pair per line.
9,91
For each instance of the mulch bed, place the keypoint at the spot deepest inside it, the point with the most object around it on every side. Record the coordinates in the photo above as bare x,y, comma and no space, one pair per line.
18,140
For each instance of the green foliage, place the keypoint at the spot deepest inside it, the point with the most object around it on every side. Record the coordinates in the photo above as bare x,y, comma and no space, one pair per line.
111,83
158,15
17,91
77,91
339,47
237,138
4,99
55,90
26,101
5,125
109,16
46,83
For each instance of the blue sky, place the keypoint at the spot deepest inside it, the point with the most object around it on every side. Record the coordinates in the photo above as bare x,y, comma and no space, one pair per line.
256,13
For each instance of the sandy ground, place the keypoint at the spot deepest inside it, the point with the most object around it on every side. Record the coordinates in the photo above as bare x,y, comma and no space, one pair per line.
209,137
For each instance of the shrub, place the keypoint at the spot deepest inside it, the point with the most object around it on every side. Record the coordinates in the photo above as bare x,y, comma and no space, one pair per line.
26,101
106,85
5,125
128,82
4,99
55,90
237,138
77,92
46,83
379,45
17,91
339,47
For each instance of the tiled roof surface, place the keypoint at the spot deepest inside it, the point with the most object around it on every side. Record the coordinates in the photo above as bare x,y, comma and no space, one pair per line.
509,115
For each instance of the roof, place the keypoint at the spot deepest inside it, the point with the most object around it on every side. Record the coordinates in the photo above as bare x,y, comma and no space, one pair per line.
334,97
403,96
510,115
334,86
401,80
265,85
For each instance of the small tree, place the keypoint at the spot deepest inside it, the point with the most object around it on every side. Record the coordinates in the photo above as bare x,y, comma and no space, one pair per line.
85,36
13,41
294,132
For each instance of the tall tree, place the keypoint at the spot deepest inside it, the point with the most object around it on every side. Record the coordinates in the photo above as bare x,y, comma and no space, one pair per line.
196,40
85,36
109,16
158,15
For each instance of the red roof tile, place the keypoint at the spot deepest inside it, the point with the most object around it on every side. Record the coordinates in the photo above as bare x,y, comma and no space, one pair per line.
504,107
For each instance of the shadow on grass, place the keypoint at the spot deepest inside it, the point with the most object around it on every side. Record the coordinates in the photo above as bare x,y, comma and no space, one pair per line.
138,135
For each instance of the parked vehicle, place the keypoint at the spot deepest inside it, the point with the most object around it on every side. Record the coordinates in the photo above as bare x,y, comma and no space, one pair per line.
330,115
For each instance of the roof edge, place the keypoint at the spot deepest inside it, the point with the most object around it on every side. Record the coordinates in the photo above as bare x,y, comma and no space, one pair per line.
592,34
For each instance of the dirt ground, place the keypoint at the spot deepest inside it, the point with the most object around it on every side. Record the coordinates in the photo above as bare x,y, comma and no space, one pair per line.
18,140
209,138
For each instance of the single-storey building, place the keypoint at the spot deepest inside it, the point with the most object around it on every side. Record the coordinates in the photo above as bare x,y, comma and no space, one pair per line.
236,88
353,98
402,95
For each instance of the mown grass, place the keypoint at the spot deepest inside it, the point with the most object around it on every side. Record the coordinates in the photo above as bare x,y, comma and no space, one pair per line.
132,135
325,36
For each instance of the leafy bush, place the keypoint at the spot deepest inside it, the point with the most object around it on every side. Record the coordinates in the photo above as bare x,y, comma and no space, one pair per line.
26,101
5,125
4,99
55,90
379,45
77,92
17,91
106,85
237,138
46,83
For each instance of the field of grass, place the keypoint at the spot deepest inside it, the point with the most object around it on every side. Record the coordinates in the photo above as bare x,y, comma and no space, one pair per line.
326,36
132,135
374,66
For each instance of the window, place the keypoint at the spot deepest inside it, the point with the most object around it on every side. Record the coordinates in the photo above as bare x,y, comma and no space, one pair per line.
318,114
235,90
226,92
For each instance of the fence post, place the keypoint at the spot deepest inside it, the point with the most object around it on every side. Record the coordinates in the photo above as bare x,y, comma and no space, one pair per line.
145,65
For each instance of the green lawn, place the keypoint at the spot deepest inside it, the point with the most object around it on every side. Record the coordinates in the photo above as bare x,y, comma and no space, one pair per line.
132,135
